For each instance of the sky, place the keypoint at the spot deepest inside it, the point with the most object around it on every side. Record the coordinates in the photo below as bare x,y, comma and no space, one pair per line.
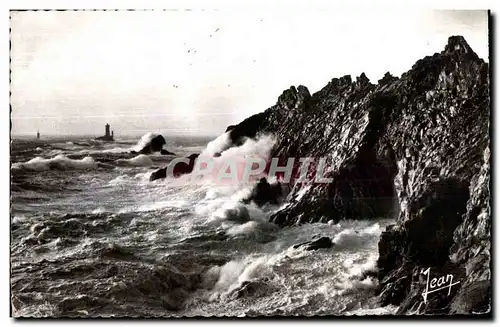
196,72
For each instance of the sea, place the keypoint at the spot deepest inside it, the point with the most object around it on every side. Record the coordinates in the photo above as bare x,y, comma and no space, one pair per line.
92,236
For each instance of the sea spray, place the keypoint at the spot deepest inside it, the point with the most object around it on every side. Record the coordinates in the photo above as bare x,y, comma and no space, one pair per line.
144,141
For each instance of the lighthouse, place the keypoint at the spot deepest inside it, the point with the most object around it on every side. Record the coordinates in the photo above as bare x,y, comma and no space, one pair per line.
107,135
107,131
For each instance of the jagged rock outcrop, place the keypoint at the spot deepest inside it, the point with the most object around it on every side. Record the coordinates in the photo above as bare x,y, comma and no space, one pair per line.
409,147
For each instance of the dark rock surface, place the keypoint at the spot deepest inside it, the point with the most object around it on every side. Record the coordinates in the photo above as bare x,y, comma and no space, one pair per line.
415,148
320,243
158,174
155,145
181,168
107,138
472,248
265,193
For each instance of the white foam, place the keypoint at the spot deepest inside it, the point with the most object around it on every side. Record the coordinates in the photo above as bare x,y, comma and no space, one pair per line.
144,177
158,205
98,210
115,150
232,211
140,178
378,311
221,143
230,166
252,227
353,239
120,180
220,198
229,277
247,228
18,219
58,162
140,160
251,148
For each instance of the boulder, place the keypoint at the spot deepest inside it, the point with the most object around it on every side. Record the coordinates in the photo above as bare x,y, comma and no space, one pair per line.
155,145
158,174
320,243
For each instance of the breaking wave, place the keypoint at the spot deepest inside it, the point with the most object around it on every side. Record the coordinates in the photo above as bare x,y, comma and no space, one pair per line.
143,141
115,150
218,145
59,162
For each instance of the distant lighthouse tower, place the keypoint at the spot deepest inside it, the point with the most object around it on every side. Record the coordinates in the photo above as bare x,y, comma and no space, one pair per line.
38,135
107,131
107,136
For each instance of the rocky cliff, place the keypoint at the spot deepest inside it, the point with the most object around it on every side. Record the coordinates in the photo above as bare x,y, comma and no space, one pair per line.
415,148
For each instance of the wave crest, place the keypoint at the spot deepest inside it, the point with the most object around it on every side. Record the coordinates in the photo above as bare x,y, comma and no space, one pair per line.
144,141
59,162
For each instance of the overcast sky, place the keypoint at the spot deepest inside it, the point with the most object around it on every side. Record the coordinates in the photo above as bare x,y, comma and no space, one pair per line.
195,72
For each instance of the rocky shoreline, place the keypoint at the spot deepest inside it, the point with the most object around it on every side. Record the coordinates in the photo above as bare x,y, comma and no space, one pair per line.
415,148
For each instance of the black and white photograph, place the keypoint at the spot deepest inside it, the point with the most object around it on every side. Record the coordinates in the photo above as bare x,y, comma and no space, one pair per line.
250,162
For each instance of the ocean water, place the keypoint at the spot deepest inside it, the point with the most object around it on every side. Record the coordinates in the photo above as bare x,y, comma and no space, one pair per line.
91,236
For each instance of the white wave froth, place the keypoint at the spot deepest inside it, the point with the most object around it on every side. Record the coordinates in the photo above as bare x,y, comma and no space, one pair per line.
143,141
354,239
59,162
221,143
140,160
